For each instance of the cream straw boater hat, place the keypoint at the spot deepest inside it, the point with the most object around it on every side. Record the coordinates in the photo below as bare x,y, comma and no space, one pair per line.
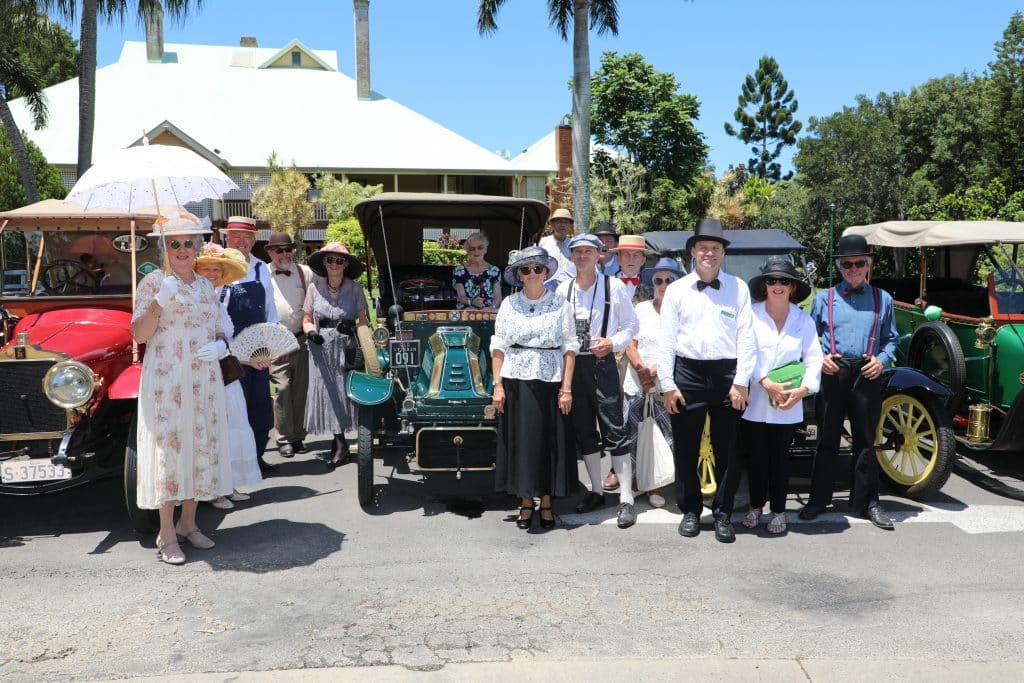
232,264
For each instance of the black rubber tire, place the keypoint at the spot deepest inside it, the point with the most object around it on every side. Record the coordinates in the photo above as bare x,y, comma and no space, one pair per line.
144,521
930,334
944,450
364,455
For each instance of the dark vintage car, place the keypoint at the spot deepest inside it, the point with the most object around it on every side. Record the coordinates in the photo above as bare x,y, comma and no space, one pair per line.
69,373
915,445
427,385
963,327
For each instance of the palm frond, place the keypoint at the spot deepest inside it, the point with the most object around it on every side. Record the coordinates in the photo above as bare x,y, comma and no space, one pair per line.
485,15
15,73
560,13
604,16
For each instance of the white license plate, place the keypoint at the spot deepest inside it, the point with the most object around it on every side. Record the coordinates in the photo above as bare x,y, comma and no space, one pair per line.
812,432
14,471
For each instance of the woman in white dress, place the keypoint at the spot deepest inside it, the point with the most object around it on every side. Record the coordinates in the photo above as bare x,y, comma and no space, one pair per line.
182,422
533,353
222,267
641,380
784,334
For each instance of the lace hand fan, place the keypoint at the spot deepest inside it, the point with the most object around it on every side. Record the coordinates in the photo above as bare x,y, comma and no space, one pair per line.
263,342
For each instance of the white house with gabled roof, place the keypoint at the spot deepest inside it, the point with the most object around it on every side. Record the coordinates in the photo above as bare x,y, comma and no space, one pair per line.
235,105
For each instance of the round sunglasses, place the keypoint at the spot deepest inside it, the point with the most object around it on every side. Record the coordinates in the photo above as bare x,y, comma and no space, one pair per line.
526,270
663,281
175,244
335,260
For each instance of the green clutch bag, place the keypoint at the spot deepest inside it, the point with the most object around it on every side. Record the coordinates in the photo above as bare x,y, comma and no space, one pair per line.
790,374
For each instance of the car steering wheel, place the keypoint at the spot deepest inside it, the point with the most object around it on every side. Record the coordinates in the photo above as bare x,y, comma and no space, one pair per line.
1013,284
63,277
420,286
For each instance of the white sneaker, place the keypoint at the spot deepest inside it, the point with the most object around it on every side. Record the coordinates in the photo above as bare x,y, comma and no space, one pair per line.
222,503
238,496
656,501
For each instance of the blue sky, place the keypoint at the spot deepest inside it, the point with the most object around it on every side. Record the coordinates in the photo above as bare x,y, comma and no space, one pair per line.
507,90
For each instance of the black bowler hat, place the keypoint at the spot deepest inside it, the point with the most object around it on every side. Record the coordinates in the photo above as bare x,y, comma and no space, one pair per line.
779,267
852,245
708,229
605,228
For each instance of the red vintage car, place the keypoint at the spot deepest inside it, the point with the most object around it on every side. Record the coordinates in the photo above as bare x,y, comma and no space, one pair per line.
69,371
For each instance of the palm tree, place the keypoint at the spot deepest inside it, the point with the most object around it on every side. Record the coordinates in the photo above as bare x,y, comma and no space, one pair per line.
583,15
91,12
19,18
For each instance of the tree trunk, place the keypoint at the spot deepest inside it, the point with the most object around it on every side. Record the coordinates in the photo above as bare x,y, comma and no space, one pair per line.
86,85
28,177
581,115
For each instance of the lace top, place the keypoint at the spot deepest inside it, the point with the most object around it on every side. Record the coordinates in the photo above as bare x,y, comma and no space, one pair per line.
545,330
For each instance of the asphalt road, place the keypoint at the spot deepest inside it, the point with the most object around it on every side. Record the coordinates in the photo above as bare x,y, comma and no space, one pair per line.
303,578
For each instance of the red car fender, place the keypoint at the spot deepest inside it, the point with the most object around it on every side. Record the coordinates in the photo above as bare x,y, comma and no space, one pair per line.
127,383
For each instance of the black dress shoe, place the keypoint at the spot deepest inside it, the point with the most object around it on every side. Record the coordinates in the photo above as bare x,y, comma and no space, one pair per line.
591,502
809,512
525,522
627,515
285,450
724,531
690,526
298,447
878,517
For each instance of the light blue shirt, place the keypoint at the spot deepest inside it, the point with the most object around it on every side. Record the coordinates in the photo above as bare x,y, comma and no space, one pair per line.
853,319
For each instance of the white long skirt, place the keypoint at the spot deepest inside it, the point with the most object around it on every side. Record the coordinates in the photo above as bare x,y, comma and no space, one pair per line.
245,468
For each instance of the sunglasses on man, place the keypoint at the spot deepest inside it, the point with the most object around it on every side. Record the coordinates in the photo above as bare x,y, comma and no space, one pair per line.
850,265
175,244
536,270
282,250
334,260
772,281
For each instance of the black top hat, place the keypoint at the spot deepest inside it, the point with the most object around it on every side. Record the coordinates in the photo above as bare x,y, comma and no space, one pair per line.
708,229
779,267
852,245
605,228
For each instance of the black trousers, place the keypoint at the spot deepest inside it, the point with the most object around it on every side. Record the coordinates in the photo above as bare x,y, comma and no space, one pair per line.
848,394
705,385
597,417
768,468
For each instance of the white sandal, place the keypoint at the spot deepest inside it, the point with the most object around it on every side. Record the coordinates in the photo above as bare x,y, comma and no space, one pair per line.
165,551
752,519
778,523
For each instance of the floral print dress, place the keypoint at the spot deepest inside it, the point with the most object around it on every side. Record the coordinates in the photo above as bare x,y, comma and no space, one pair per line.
182,437
482,284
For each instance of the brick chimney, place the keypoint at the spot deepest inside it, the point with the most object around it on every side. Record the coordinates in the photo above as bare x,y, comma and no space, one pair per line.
154,21
562,187
361,9
248,41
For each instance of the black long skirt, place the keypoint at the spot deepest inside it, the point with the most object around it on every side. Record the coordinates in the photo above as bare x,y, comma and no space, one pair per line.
536,455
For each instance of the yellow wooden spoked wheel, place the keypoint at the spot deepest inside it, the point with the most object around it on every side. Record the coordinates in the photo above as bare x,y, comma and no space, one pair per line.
920,445
706,462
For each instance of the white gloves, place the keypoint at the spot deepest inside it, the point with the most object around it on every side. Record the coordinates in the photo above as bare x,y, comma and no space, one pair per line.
168,288
212,351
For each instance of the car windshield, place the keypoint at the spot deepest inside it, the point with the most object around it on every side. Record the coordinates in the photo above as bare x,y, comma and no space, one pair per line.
73,263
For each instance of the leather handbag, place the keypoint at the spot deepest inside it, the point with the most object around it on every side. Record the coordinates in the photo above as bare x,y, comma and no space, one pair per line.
231,369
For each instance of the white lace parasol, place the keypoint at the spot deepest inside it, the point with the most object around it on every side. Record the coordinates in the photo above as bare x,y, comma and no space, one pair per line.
264,342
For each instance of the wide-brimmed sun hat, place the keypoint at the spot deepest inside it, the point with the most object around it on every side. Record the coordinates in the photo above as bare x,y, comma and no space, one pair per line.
352,270
778,267
525,257
182,223
708,229
665,264
232,264
585,239
633,243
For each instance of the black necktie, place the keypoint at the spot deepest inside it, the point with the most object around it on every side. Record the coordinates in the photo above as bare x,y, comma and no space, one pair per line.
283,272
853,290
714,284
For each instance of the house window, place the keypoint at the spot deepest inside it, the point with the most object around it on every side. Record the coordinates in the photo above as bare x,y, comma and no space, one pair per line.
296,58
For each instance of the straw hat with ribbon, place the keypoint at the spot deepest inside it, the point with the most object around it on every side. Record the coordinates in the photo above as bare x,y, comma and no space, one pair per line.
232,264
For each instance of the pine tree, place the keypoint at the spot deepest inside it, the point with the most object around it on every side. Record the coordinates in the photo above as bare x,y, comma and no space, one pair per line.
1006,103
771,125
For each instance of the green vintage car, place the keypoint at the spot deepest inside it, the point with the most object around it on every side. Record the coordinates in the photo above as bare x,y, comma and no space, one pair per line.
427,381
964,330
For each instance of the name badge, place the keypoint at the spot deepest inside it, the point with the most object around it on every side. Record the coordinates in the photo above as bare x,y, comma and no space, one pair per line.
728,314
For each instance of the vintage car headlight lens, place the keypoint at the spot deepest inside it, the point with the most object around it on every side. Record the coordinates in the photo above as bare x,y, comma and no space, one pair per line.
69,384
380,336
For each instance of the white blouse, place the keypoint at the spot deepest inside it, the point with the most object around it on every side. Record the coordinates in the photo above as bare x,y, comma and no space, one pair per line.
798,341
646,344
545,325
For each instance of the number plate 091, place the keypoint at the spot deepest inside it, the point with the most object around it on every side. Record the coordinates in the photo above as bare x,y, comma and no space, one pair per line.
14,471
405,354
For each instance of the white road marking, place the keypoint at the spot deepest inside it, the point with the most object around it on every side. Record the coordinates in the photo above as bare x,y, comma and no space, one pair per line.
971,519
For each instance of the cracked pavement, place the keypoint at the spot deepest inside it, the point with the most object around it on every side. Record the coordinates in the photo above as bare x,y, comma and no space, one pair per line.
303,578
